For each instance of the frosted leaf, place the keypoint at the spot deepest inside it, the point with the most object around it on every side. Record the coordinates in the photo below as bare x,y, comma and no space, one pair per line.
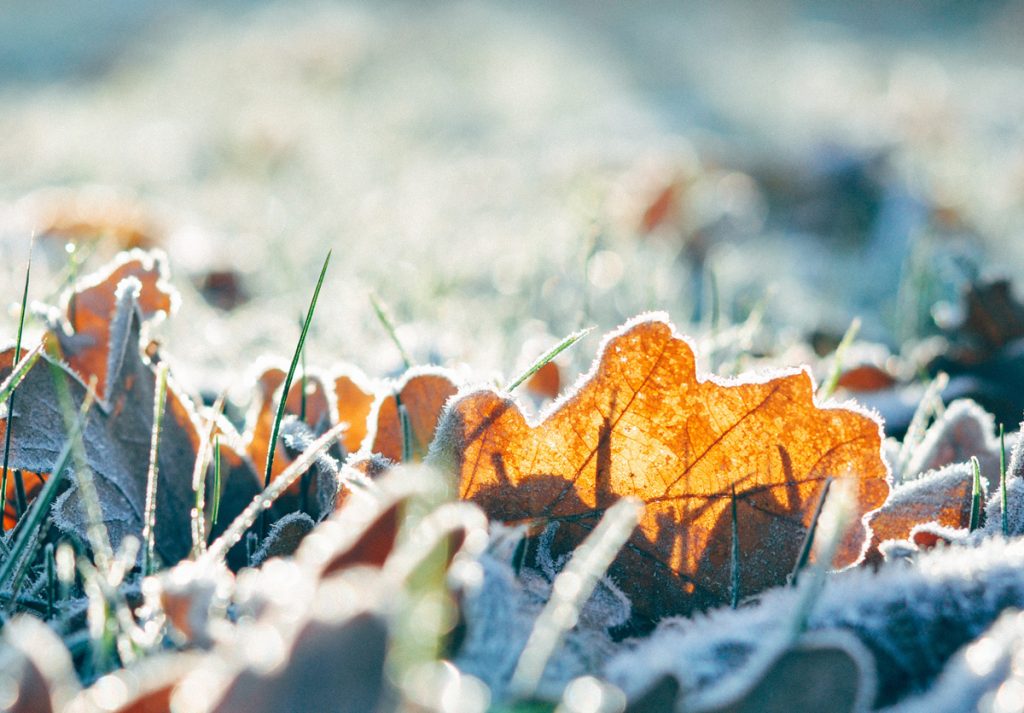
912,617
975,678
500,616
963,431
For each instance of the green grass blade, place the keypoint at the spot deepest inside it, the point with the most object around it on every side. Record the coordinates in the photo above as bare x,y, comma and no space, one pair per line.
735,593
805,549
152,475
198,514
19,372
10,396
389,327
548,356
829,387
216,481
1005,521
975,521
407,438
288,384
264,500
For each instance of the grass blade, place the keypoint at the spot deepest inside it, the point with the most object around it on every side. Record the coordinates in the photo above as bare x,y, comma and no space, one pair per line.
264,500
975,521
10,396
805,549
288,384
735,595
403,419
19,372
1005,522
199,481
149,526
548,356
931,403
829,387
216,481
571,589
389,327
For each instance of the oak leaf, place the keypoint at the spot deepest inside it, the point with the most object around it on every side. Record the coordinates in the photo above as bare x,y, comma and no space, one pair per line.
421,393
643,424
111,310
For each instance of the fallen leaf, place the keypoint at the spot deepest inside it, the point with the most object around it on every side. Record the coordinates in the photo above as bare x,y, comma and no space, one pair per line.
643,424
92,213
546,382
866,377
84,331
224,289
824,671
118,430
354,397
317,413
422,393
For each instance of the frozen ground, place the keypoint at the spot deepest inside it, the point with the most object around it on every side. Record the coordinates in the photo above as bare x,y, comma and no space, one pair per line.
472,163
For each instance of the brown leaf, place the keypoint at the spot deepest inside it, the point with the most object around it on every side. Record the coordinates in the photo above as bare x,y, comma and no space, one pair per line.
643,424
866,377
422,393
91,214
85,331
319,415
942,497
118,430
354,398
546,382
825,671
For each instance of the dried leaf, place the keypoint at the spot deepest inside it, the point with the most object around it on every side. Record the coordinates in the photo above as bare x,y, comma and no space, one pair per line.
284,537
824,671
423,393
866,377
118,431
942,497
546,382
643,424
354,397
85,330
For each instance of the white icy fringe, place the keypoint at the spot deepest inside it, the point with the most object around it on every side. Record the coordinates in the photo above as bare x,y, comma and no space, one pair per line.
912,617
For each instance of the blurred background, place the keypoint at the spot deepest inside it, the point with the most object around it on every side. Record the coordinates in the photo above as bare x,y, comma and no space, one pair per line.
502,174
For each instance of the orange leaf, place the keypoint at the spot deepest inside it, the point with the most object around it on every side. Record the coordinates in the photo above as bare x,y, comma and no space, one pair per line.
354,399
546,382
423,393
319,415
91,303
643,424
942,497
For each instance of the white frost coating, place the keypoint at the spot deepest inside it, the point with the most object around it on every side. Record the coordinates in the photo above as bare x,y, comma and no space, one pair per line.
972,680
501,613
911,617
964,430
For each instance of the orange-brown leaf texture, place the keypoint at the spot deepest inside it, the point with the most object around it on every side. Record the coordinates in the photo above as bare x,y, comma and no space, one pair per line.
643,424
422,394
